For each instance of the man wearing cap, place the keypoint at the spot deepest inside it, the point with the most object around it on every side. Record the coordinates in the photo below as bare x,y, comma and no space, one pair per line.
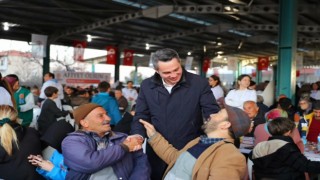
96,152
210,156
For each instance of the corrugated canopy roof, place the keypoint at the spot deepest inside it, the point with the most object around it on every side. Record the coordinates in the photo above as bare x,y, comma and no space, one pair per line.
243,28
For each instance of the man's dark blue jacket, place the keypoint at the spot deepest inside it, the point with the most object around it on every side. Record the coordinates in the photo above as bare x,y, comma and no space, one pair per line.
177,116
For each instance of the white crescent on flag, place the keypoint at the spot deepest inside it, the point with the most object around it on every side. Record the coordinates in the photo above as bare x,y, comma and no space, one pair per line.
111,51
128,54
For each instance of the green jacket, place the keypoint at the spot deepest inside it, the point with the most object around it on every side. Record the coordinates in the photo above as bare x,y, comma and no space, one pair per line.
25,103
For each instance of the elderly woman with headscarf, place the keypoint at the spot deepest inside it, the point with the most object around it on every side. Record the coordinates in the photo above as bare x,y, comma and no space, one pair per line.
17,142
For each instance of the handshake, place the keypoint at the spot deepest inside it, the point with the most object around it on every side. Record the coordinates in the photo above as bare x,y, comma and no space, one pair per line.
134,142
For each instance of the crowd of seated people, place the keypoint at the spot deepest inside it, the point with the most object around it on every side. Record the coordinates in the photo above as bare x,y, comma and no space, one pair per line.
118,110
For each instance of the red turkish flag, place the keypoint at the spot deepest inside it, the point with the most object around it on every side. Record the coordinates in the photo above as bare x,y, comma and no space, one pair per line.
205,65
263,63
79,47
297,73
128,57
112,55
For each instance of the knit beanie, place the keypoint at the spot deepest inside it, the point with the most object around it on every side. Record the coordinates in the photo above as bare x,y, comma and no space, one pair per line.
240,121
82,111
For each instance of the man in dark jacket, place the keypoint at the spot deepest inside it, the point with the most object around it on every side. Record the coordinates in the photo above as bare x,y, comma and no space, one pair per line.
96,152
255,114
175,102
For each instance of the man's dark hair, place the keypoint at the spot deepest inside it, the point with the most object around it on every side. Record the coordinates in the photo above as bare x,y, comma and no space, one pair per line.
285,103
51,75
103,86
50,90
163,55
82,92
280,125
129,82
118,89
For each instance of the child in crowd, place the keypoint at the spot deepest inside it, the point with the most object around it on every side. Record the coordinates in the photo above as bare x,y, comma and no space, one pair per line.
279,158
49,110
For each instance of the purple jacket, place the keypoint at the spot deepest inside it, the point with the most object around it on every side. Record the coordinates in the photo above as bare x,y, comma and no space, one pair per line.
81,156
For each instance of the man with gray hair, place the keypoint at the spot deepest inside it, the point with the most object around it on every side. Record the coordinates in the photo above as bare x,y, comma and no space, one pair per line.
175,102
255,114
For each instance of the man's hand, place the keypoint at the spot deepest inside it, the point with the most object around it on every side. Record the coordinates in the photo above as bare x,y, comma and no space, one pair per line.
149,127
133,142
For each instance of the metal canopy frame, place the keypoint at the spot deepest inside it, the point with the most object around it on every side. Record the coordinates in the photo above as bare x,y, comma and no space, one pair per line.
182,25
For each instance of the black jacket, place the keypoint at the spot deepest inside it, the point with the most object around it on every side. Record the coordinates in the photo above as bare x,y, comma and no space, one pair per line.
177,116
49,114
279,158
16,166
259,119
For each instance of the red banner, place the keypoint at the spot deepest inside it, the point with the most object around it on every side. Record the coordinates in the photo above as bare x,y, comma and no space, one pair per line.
79,47
112,55
128,57
263,63
205,65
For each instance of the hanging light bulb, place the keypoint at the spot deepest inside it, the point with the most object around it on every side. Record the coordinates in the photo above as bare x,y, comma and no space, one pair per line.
5,26
147,46
89,38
